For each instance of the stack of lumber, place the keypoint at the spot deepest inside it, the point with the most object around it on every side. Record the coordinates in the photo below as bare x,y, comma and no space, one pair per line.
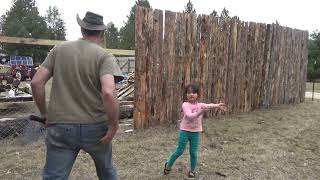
125,95
127,90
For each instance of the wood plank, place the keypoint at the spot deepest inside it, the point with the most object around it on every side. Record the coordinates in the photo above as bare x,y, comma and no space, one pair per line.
122,52
122,66
239,69
158,65
169,57
256,67
128,92
273,61
195,76
247,100
219,63
179,65
48,42
260,56
126,103
124,90
211,62
232,46
32,41
243,60
304,57
286,61
282,66
140,74
297,66
149,58
188,48
149,69
225,34
289,67
249,68
261,47
203,61
266,67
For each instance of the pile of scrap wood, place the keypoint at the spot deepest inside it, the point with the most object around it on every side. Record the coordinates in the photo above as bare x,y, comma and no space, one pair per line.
125,95
127,90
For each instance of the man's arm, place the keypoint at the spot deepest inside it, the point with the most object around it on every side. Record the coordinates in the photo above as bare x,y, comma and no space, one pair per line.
111,105
38,89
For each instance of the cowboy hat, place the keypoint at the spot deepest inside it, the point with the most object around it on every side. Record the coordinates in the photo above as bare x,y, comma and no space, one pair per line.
92,21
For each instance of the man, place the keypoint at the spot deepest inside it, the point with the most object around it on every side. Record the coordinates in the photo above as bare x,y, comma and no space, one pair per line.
83,110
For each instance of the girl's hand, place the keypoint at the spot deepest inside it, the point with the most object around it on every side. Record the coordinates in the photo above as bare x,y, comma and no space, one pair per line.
223,107
222,104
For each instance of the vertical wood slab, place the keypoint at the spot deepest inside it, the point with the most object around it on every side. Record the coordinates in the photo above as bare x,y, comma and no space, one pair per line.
157,69
169,56
140,66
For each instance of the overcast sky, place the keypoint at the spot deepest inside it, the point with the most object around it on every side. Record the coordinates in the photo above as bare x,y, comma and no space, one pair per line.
300,14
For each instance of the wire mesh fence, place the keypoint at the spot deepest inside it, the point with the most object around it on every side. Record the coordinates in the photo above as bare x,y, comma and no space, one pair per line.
15,122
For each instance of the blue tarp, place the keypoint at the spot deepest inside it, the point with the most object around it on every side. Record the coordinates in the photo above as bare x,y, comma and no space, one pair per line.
21,60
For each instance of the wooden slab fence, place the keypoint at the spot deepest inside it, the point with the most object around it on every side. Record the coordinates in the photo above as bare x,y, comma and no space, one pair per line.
247,65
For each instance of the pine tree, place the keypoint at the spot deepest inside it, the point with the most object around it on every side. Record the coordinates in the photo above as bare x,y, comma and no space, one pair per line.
314,56
214,13
23,20
127,32
225,14
189,8
112,36
55,24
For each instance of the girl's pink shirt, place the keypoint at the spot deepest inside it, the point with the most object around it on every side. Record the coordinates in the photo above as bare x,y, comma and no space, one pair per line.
192,117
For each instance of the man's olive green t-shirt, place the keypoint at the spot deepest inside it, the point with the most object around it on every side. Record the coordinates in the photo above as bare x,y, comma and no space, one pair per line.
76,68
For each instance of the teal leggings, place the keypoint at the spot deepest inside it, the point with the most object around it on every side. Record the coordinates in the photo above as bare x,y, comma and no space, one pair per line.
184,137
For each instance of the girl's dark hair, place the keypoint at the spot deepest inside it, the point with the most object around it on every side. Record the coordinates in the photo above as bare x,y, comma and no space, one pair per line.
194,88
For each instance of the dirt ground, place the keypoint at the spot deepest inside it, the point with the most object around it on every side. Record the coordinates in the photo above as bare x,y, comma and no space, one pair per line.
278,143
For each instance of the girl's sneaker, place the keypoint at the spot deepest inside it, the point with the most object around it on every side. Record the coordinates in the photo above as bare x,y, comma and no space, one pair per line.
166,169
191,175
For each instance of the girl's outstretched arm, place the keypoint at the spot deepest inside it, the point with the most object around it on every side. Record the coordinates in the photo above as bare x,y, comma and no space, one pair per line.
212,105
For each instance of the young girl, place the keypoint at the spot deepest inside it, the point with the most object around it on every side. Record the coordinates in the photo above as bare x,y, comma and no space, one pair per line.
190,128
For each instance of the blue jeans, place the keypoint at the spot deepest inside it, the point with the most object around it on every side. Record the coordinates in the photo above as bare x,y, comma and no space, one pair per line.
64,142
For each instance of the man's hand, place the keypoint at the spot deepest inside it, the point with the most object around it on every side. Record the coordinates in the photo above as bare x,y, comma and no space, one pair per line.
109,136
45,117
